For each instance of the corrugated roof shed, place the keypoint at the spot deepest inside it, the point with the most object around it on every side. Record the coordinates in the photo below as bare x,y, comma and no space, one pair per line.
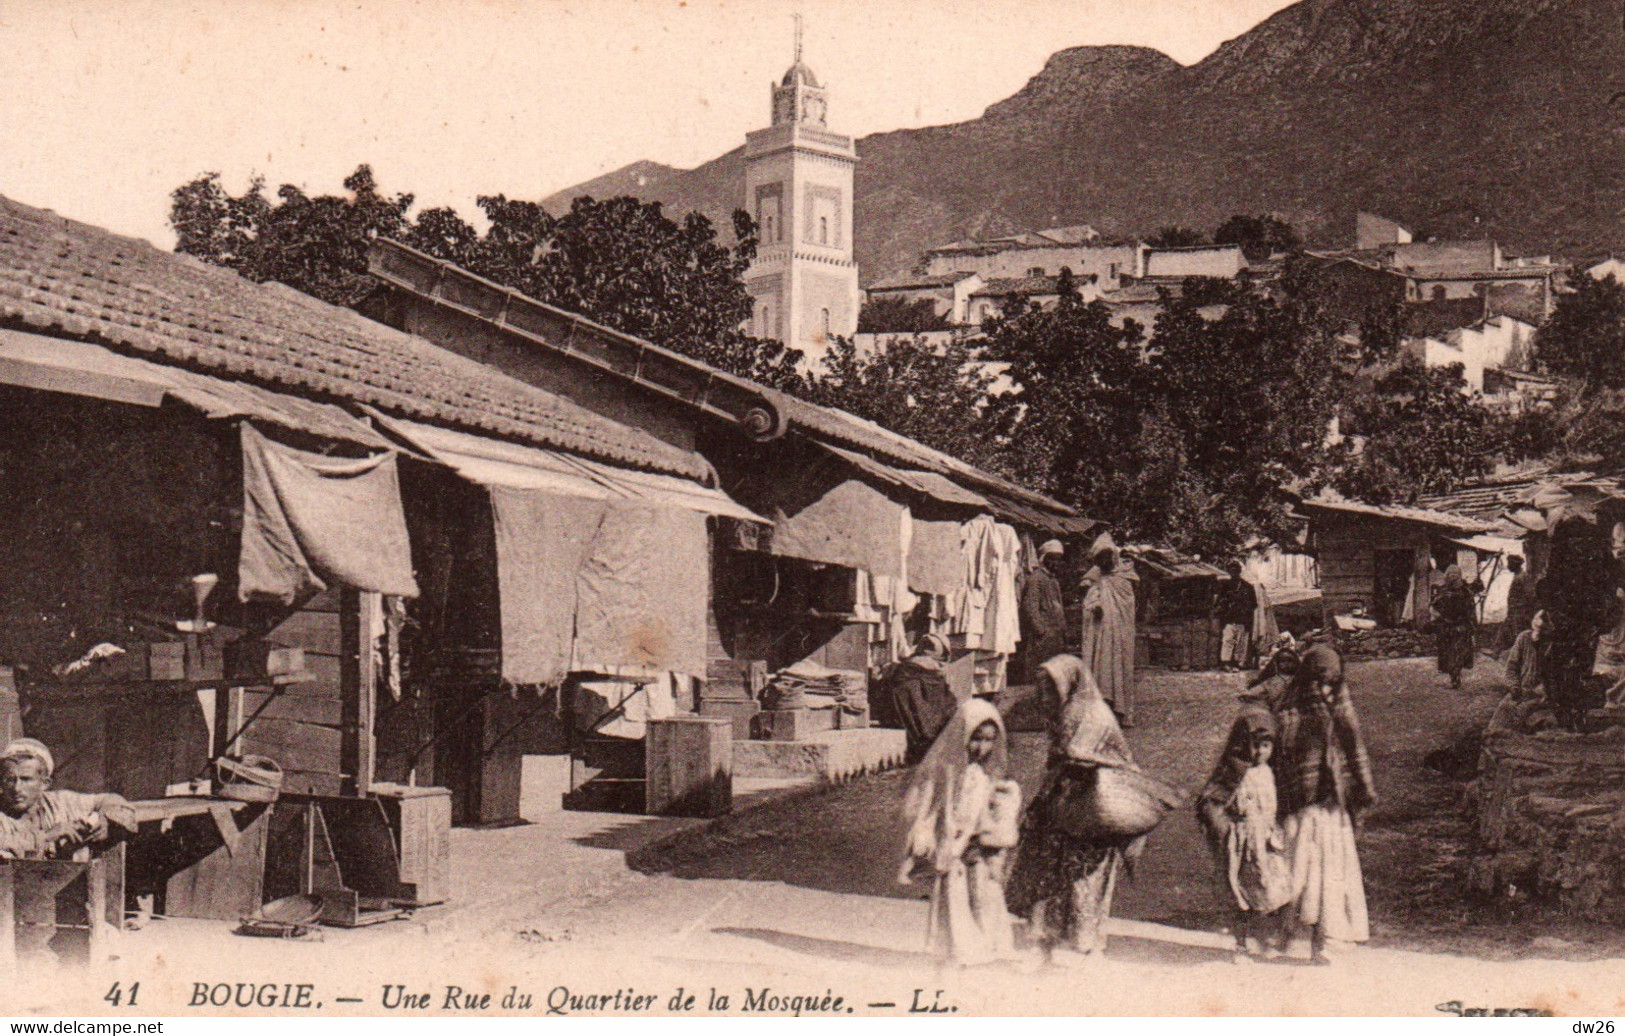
79,281
1490,499
1397,512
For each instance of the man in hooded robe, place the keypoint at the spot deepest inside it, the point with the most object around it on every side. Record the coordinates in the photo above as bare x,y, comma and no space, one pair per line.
1108,626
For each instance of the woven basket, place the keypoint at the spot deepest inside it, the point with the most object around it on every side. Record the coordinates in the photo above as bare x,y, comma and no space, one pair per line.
253,778
1109,803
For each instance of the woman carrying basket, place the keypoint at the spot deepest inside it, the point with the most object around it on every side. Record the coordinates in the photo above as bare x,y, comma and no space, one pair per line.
1323,782
1063,881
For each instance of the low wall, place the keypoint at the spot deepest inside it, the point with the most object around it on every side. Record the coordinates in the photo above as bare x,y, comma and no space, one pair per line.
1385,643
1547,812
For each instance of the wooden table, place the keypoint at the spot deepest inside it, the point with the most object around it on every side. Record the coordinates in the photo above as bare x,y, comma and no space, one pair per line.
200,856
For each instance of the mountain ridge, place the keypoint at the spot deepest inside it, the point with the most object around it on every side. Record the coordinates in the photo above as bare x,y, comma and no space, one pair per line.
1457,117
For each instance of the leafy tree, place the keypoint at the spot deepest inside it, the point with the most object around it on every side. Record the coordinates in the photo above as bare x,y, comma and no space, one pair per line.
317,245
1177,237
935,393
620,262
1423,434
1259,236
1585,337
891,314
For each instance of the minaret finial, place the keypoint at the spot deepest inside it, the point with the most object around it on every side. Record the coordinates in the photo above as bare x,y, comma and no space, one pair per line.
798,39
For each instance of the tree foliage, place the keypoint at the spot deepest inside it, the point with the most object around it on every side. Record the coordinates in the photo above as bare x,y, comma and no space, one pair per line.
1259,236
891,314
1419,433
938,394
1585,337
620,262
1177,237
1197,435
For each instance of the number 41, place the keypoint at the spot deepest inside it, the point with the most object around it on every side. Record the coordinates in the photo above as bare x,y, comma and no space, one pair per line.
115,996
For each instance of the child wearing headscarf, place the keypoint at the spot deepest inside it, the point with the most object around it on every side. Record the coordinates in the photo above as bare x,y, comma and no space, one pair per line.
1323,781
1237,810
961,813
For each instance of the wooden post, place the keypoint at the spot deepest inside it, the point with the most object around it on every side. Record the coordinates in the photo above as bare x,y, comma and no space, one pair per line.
359,627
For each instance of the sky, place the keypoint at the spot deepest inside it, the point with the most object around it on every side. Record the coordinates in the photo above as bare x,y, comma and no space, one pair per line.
108,105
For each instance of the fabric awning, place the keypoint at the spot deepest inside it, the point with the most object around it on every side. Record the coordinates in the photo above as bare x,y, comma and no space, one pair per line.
311,521
82,369
1488,544
495,463
925,483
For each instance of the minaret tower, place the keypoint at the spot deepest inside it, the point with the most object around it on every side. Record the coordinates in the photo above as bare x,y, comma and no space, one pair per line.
798,188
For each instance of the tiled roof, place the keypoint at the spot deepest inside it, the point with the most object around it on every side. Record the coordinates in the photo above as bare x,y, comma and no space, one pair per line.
1171,564
940,280
1490,499
82,282
1020,286
447,284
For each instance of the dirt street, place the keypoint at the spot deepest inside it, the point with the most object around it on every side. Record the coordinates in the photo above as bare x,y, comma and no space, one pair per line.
796,895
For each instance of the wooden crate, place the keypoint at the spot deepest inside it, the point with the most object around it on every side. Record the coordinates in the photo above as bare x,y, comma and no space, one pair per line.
420,819
60,911
689,766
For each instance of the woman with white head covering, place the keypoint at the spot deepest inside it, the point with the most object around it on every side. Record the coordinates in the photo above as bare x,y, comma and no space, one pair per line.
961,814
1108,625
37,822
1064,883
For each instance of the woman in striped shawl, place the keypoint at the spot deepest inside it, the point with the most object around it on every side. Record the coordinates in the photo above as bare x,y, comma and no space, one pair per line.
1323,782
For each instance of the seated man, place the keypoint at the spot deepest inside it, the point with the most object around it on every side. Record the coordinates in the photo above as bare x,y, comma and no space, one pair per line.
38,823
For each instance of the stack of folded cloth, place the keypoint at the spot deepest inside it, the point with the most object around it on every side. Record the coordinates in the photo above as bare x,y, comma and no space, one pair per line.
808,685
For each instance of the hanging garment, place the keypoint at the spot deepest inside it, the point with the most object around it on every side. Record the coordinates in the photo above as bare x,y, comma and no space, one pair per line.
972,605
1004,597
542,541
642,593
936,559
311,521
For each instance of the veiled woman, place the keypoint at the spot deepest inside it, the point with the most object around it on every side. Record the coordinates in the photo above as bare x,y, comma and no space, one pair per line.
1455,619
1108,625
1061,883
1323,783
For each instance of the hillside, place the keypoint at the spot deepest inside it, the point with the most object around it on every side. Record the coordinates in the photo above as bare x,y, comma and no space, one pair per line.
1458,117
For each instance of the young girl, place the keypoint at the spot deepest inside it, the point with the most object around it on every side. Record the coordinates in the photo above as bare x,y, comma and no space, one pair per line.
962,823
1324,781
1237,811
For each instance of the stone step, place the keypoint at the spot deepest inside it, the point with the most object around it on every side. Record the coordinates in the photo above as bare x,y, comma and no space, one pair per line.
831,755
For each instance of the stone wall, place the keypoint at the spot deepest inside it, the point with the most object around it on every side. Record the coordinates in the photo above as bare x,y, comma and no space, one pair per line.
1547,811
1384,643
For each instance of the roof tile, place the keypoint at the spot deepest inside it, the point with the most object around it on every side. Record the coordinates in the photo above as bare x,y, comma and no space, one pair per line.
59,275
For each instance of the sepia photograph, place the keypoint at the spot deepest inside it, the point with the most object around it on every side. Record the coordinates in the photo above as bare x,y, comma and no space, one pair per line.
811,508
